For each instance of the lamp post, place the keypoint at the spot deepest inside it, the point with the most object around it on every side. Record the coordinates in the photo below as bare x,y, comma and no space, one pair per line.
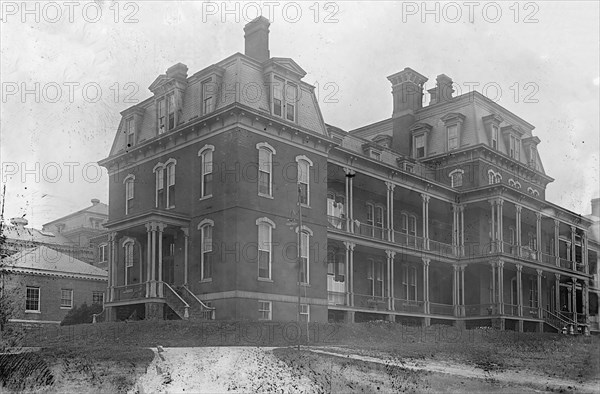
292,223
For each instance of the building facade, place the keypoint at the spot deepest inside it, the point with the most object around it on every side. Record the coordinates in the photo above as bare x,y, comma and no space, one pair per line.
230,197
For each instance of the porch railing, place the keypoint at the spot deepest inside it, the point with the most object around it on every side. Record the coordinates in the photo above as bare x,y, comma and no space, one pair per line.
441,309
409,306
206,312
440,248
528,254
175,301
129,292
564,263
371,302
531,312
411,241
372,231
548,259
336,298
336,222
481,310
511,310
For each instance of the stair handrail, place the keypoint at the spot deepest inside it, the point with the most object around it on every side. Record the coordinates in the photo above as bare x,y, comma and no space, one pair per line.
198,299
560,318
185,304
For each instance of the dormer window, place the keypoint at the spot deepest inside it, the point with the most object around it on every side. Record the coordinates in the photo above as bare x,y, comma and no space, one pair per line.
515,147
162,126
513,139
420,146
376,155
491,123
453,122
285,97
208,92
130,130
494,137
166,113
171,110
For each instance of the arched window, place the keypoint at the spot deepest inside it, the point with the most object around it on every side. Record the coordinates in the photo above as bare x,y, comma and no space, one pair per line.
304,164
265,169
305,254
206,249
265,252
456,178
170,172
206,182
129,182
128,256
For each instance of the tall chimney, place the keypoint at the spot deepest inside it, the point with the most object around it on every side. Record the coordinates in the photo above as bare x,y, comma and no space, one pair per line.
257,39
95,201
444,88
407,92
596,207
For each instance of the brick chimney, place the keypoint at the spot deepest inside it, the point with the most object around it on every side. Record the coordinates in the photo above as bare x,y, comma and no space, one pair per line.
257,39
407,92
596,207
178,72
443,88
19,222
95,201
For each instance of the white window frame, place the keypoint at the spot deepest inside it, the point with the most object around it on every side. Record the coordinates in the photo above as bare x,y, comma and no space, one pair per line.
514,147
102,248
305,312
291,101
456,143
39,299
208,96
129,183
455,176
281,89
69,299
171,110
159,182
262,309
533,293
269,225
206,248
161,109
303,160
130,131
170,178
267,168
495,130
409,273
305,252
415,139
206,168
94,294
377,278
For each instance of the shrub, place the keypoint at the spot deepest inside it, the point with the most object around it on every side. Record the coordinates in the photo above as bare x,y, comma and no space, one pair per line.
81,315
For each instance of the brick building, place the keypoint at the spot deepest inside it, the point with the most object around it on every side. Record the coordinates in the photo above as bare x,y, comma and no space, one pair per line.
46,284
435,215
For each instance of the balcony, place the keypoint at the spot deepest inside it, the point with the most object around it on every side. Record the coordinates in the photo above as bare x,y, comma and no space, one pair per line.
564,263
441,309
378,303
368,230
337,223
336,298
548,259
409,306
411,241
130,292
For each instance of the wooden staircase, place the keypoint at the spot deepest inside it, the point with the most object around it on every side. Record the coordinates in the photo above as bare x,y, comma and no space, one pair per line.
198,309
561,323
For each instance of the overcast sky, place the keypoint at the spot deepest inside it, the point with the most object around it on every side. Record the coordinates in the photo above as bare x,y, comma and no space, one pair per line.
537,59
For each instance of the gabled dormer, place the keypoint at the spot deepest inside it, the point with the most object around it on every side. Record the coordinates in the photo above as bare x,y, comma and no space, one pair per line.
131,125
491,124
453,122
284,76
530,146
168,90
419,133
512,139
211,82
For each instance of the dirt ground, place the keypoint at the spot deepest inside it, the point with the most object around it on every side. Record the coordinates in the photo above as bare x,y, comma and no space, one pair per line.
329,370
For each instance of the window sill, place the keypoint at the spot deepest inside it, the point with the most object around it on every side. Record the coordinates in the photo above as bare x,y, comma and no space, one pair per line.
205,197
305,206
66,307
265,280
303,284
265,196
208,280
33,312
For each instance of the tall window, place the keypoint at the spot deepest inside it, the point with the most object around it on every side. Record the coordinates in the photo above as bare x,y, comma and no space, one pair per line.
66,298
412,225
171,110
420,146
208,90
102,253
370,214
494,136
375,277
304,164
129,182
278,96
129,127
160,186
336,265
170,185
162,120
456,178
305,257
32,299
452,137
206,230
265,169
409,283
128,250
291,93
514,151
265,233
404,223
264,310
533,293
206,183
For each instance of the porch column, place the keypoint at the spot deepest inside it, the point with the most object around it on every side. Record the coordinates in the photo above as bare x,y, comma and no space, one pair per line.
519,290
574,296
455,284
148,258
518,209
426,285
455,235
500,226
493,300
390,276
153,274
493,247
557,306
349,198
501,286
556,240
462,230
539,292
584,252
573,248
160,227
390,207
349,273
585,288
425,199
112,265
462,290
538,236
186,234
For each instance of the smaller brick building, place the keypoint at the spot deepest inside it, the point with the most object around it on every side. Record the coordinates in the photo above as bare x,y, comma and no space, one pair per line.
46,284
